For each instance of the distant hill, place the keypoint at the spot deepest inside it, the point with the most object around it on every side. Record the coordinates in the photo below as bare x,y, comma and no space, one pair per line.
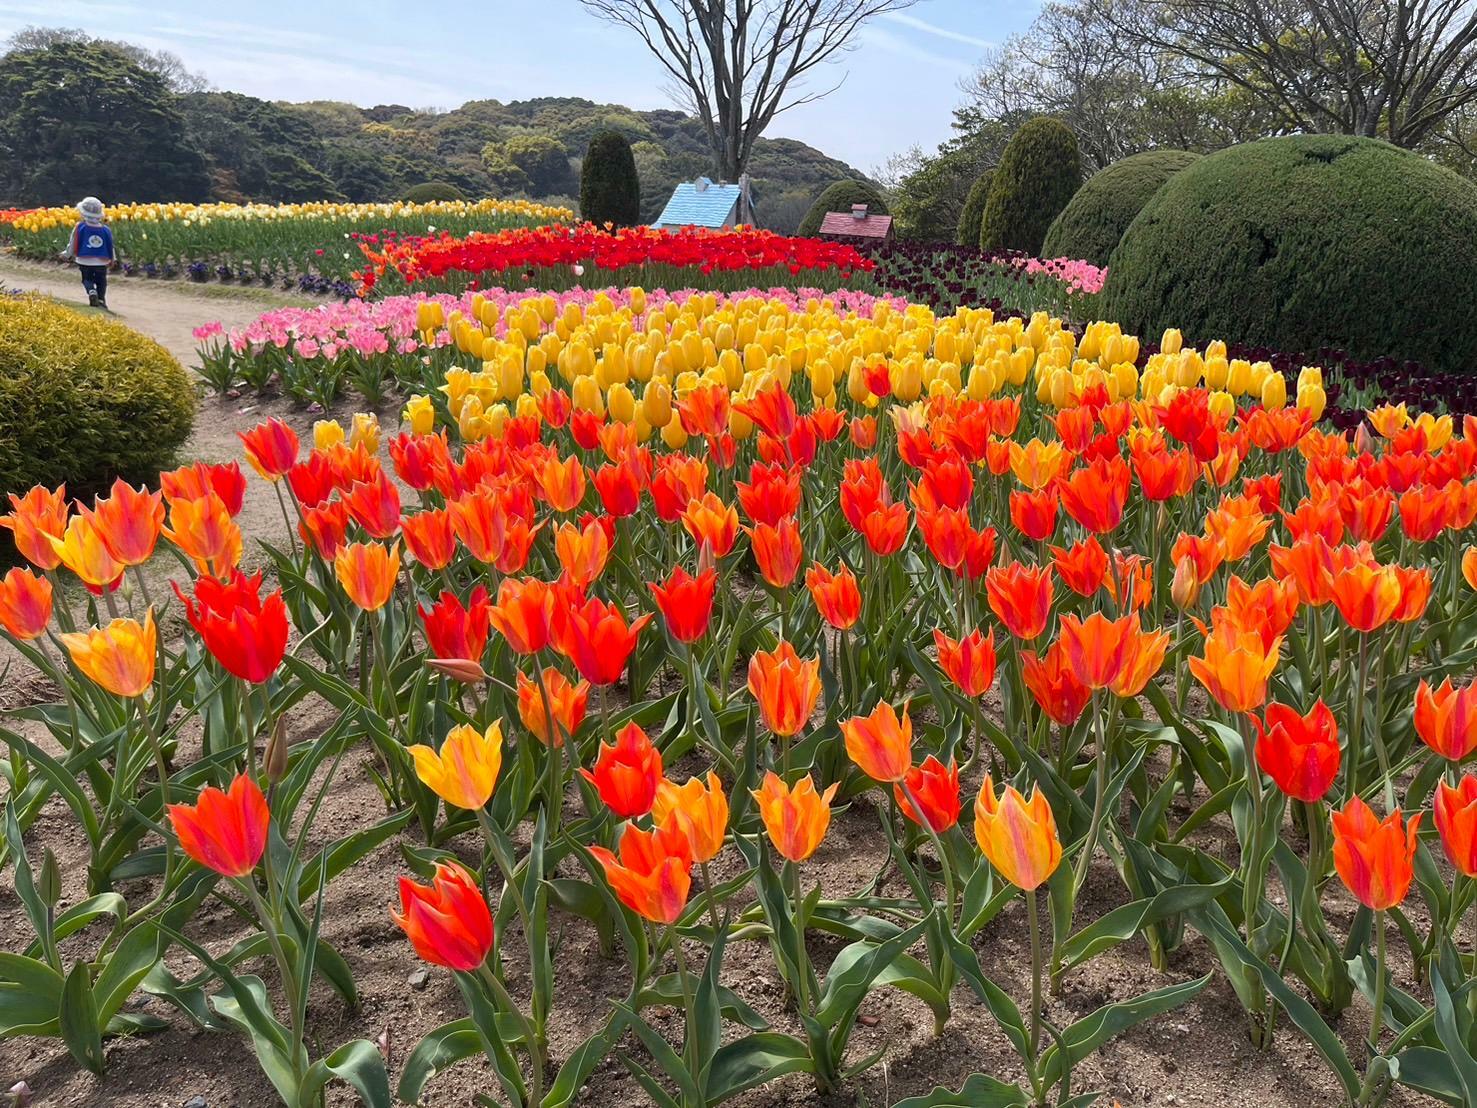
276,151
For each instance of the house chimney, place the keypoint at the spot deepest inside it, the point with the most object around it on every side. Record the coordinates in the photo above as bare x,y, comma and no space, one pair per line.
858,211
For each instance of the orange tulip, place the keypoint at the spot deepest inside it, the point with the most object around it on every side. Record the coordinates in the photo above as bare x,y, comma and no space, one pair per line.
480,522
34,517
1366,595
582,553
1095,495
1034,513
448,921
881,744
786,687
1017,835
1374,858
224,831
524,614
82,550
375,505
1236,666
1054,686
367,572
699,809
1456,820
627,773
885,528
796,817
1415,593
1020,597
1446,718
202,527
25,603
129,521
567,704
596,638
271,448
1299,752
429,538
935,788
562,483
686,602
464,771
1469,566
836,596
1142,659
1098,648
711,523
119,657
1083,567
777,549
654,873
969,663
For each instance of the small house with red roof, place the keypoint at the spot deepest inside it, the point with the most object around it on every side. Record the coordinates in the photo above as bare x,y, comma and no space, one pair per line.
856,224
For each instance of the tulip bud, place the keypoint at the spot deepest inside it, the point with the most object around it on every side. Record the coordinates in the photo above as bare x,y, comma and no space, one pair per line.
274,761
1184,590
1363,440
458,669
50,885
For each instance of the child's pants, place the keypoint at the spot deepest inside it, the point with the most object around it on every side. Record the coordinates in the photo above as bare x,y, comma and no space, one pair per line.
95,280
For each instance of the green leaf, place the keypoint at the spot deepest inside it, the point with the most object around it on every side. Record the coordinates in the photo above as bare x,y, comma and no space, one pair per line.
578,1067
1124,922
439,1050
1448,1030
359,1065
754,1060
978,1091
1430,1071
854,970
80,1028
662,1054
129,964
30,996
1089,1033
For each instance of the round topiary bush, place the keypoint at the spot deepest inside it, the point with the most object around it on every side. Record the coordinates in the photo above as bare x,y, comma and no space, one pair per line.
431,192
84,400
1090,226
1039,171
974,210
1305,242
610,189
839,197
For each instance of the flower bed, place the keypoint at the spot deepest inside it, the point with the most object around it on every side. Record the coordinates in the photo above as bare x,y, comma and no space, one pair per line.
264,242
652,588
555,258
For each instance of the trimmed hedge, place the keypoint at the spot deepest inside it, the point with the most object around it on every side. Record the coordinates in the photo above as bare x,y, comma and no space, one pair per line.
839,197
974,210
1091,225
432,191
610,189
84,400
1039,171
1306,242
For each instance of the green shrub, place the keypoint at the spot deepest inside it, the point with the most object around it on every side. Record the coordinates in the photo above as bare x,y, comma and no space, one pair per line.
1039,171
1090,226
974,210
1303,242
839,197
84,400
432,191
610,188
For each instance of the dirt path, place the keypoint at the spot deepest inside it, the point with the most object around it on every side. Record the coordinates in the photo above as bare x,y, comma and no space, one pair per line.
166,311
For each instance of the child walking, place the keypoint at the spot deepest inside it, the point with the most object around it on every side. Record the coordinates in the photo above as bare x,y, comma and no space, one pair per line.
91,247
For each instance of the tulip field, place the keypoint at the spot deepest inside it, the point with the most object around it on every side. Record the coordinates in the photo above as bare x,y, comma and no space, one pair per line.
267,243
721,669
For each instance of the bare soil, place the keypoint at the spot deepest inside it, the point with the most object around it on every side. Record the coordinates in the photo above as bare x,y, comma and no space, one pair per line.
1198,1055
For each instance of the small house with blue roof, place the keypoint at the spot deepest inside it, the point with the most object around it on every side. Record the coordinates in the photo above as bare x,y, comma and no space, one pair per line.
706,203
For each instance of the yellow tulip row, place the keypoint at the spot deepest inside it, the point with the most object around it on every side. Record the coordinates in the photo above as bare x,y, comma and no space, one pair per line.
43,219
627,363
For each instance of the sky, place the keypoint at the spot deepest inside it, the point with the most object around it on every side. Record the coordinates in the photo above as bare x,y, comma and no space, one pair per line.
897,86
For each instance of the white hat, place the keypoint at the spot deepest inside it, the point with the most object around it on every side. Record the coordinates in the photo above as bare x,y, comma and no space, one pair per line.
91,209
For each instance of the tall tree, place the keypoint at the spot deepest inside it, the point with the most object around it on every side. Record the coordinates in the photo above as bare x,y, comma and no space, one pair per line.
737,64
163,63
1391,69
76,119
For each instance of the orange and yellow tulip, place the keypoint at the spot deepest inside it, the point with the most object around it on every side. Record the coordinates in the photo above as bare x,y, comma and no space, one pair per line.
1456,821
796,817
654,873
464,771
367,572
118,657
786,687
25,604
567,704
1017,835
881,744
35,519
699,809
1374,858
130,521
224,831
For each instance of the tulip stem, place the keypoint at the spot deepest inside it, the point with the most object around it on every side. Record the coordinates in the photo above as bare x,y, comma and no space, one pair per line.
689,1039
1374,1076
1035,973
712,901
1099,800
286,520
938,846
287,971
501,997
802,955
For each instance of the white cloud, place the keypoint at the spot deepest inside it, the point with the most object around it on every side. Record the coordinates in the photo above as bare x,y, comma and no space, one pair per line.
906,20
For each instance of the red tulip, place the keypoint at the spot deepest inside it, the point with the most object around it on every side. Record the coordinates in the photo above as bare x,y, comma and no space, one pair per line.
246,633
